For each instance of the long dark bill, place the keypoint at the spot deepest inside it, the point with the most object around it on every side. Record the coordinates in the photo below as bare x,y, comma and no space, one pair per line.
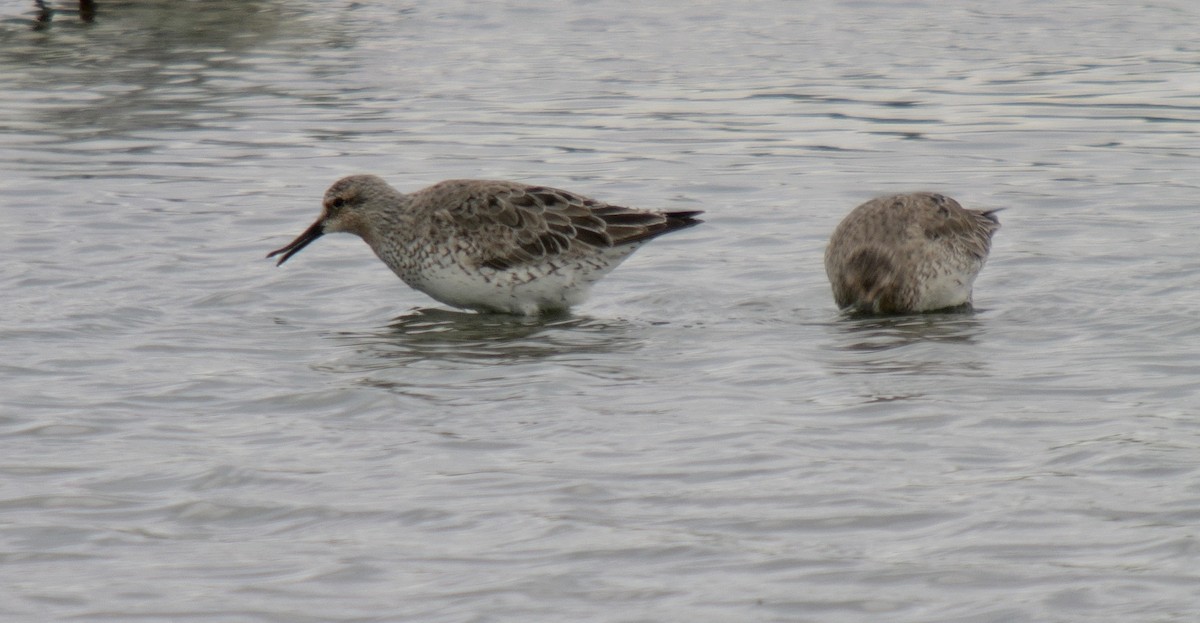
312,233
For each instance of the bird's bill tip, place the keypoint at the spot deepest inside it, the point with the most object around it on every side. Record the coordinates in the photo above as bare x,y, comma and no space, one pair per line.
312,233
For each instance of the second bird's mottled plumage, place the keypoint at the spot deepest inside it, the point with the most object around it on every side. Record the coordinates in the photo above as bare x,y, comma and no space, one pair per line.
908,253
490,245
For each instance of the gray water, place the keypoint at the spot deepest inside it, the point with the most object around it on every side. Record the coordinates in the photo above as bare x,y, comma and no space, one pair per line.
188,433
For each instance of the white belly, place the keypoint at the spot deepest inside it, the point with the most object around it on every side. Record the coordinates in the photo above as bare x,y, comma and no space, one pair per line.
529,290
502,292
947,288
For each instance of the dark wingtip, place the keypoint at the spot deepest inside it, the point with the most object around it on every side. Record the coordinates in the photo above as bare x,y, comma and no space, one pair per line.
683,220
673,222
991,215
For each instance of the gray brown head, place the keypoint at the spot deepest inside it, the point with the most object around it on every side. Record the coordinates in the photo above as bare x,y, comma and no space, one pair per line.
349,206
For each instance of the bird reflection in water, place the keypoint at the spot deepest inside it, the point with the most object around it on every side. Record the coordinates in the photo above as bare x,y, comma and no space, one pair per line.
914,344
425,335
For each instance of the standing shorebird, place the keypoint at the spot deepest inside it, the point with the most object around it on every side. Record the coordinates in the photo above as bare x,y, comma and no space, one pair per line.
489,245
908,253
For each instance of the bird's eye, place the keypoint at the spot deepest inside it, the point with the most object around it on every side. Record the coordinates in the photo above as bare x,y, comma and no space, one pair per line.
337,203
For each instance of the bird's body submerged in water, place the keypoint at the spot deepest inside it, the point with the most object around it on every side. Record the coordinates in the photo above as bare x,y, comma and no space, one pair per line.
908,253
489,245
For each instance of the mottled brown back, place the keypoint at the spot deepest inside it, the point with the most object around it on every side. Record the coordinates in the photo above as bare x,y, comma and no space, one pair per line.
528,224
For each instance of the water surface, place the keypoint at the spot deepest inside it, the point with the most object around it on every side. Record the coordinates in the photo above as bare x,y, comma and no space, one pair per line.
189,433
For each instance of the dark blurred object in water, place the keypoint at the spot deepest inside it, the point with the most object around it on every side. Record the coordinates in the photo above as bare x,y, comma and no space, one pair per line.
87,13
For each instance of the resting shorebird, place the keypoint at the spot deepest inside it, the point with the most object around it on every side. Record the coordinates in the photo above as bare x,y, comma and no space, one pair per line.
908,253
489,245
